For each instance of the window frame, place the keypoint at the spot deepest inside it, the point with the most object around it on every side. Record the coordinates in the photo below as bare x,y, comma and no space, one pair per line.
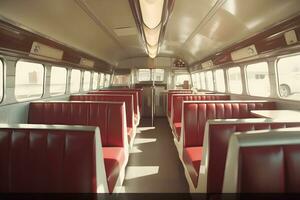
247,80
83,81
228,79
3,71
65,90
43,80
216,82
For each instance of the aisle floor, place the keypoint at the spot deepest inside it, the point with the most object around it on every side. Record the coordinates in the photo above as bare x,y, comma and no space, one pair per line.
154,165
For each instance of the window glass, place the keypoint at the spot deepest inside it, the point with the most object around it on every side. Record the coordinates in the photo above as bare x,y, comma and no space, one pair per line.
107,80
95,80
1,79
75,81
220,80
258,79
209,80
58,80
86,80
181,78
121,79
288,70
144,75
196,80
234,80
203,82
29,80
101,77
158,74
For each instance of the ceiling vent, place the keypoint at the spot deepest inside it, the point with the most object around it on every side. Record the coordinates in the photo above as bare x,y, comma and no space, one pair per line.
125,31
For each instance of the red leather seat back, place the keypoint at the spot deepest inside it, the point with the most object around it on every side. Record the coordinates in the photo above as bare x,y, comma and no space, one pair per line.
179,98
139,90
128,99
197,113
47,160
170,93
108,116
134,93
276,169
218,139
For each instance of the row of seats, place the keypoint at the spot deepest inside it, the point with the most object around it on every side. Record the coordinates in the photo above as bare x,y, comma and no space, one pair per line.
110,111
205,128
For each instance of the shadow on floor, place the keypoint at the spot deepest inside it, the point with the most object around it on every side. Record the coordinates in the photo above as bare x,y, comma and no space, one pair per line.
154,165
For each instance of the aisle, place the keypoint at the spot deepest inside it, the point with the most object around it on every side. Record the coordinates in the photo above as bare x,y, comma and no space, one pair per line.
154,165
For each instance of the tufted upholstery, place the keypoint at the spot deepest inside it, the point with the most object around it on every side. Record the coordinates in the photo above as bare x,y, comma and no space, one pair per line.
176,110
128,99
263,162
35,158
172,92
197,113
109,116
106,115
217,136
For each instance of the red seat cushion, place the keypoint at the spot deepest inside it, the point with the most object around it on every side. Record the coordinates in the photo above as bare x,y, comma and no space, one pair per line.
177,128
113,160
192,158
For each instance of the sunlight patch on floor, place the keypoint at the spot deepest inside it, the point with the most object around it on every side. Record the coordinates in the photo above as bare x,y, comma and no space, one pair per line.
142,129
144,140
133,172
135,149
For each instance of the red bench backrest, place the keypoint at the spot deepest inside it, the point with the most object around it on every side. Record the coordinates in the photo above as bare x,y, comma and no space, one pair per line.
139,90
108,116
134,93
179,98
263,162
170,93
219,132
43,159
197,113
128,99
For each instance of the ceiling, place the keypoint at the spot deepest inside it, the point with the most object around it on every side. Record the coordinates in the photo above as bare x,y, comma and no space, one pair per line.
106,28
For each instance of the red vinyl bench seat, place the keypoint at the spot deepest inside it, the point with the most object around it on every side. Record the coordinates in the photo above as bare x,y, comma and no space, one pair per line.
169,98
216,139
108,116
176,110
128,99
51,159
196,114
263,162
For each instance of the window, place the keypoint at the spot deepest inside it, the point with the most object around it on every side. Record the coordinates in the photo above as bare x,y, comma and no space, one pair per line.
95,80
258,79
144,75
29,80
288,70
181,78
58,80
86,80
234,80
1,79
196,80
107,80
101,80
158,74
75,81
220,80
209,80
203,82
121,79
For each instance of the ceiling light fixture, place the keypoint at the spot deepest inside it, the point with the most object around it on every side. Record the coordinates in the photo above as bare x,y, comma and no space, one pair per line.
151,17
